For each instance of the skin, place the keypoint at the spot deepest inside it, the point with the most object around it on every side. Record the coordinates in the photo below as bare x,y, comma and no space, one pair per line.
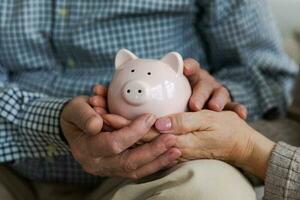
213,135
219,135
207,92
110,153
204,134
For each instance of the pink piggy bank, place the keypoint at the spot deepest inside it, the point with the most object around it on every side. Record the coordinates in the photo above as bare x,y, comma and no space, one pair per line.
148,86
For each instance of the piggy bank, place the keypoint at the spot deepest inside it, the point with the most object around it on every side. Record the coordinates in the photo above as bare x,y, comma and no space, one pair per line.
148,86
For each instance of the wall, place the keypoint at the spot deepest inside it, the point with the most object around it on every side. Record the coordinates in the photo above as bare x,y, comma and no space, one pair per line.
287,14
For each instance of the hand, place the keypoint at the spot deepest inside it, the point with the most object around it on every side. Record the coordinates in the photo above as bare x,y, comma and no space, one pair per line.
112,121
108,153
98,100
116,122
207,92
218,135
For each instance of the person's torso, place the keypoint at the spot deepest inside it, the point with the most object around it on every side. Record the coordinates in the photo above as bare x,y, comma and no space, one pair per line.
61,48
77,40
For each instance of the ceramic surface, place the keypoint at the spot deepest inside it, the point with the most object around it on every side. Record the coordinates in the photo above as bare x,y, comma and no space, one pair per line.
148,86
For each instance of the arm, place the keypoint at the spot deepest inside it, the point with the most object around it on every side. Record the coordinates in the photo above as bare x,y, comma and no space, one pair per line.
224,136
29,123
283,174
30,128
277,164
245,54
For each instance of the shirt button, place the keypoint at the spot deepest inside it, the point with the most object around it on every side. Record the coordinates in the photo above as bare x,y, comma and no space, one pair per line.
51,150
71,63
63,12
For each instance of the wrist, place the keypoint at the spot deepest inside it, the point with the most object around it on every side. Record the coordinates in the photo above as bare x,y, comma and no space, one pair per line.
257,160
61,132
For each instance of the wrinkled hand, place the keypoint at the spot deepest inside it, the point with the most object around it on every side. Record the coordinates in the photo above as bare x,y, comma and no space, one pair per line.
208,134
218,135
207,92
112,121
116,122
98,99
110,153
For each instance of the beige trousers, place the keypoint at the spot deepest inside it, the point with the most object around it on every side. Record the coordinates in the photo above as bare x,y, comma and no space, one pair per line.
193,180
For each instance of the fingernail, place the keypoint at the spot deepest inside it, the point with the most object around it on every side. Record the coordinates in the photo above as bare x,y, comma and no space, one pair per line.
163,124
196,105
244,115
150,120
187,67
217,107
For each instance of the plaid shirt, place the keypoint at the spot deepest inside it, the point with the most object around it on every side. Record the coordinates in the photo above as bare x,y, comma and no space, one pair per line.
53,50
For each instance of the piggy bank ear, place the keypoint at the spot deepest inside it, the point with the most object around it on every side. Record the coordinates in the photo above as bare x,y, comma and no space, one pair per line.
175,61
123,56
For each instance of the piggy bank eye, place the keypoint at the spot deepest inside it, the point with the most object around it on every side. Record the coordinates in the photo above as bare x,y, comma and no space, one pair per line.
132,70
149,73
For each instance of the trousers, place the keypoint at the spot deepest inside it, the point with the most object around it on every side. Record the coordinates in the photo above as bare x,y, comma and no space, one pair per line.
192,180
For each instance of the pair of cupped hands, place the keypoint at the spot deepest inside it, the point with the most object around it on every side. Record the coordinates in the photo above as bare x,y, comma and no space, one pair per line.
110,145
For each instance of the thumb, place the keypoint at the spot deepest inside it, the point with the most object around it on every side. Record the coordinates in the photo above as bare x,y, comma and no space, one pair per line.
82,115
182,123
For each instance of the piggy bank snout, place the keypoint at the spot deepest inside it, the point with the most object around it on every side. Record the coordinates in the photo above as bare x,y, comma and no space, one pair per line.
135,92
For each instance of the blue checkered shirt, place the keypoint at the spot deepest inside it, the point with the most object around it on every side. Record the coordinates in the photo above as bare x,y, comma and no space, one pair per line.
53,50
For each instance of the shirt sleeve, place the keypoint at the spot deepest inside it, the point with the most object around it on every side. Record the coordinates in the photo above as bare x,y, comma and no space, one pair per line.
283,174
29,124
246,55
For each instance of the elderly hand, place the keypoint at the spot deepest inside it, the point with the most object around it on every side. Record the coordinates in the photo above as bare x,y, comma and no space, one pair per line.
207,92
218,135
111,153
98,100
111,121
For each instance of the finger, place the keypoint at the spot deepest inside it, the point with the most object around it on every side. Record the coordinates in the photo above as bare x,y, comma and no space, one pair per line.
202,87
191,70
152,134
146,153
219,99
115,121
99,90
182,123
97,101
82,115
112,143
202,90
166,160
101,111
238,109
